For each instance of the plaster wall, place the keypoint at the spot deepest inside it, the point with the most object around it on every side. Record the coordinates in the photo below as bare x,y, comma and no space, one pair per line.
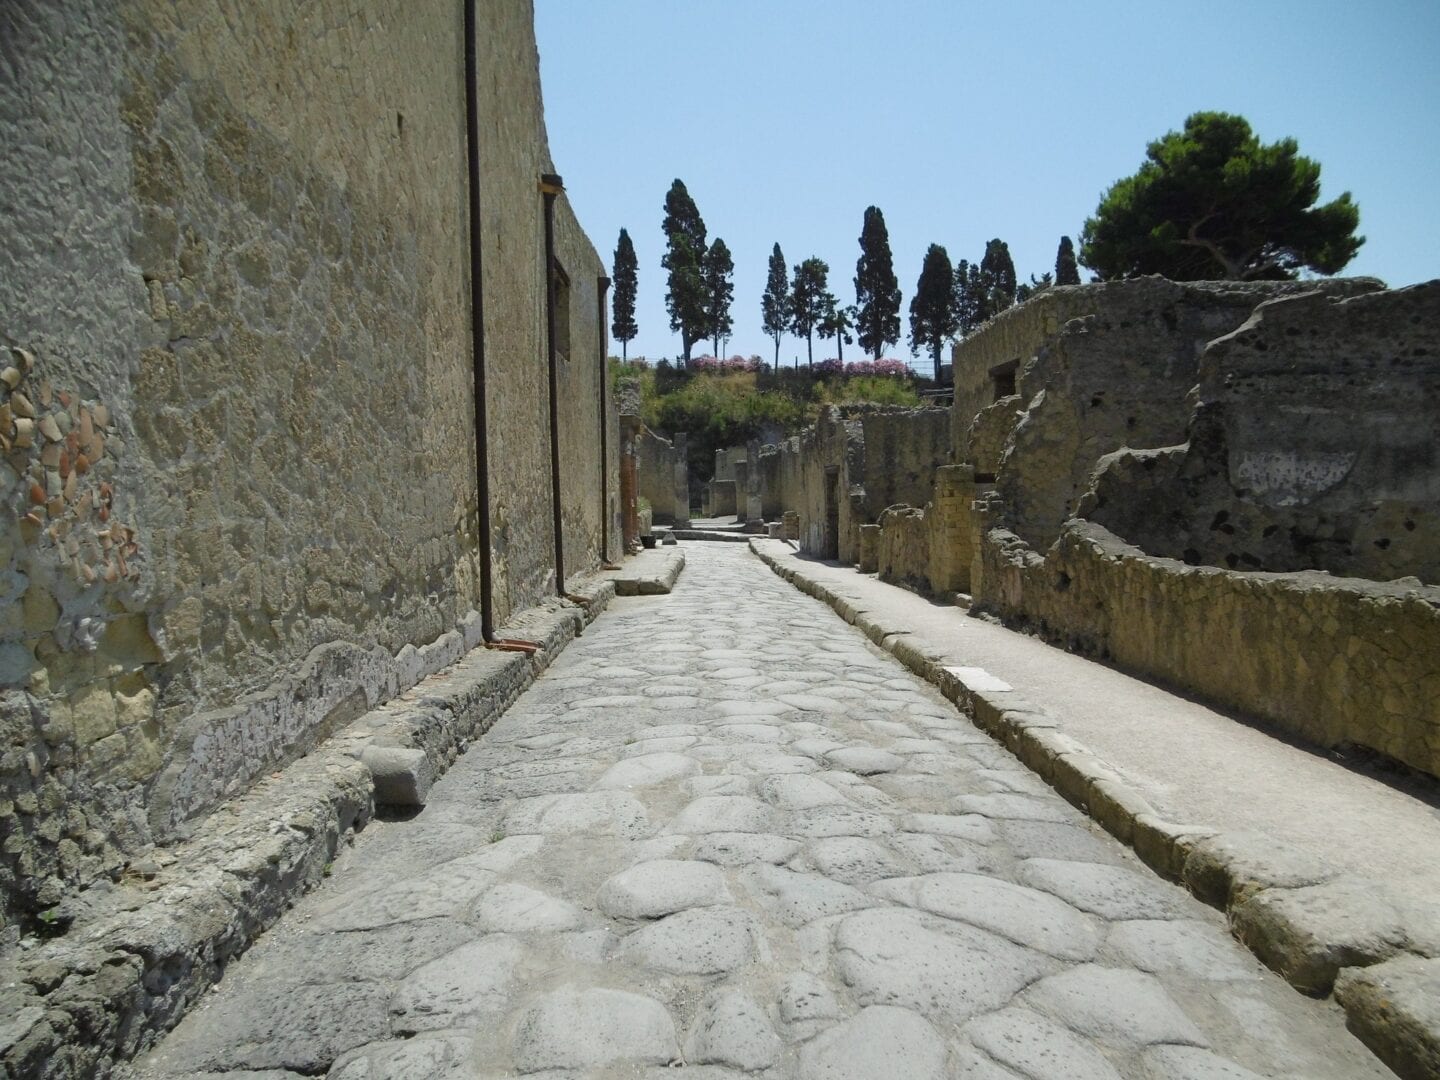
237,270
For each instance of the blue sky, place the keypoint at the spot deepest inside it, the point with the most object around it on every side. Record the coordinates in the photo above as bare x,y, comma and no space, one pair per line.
964,121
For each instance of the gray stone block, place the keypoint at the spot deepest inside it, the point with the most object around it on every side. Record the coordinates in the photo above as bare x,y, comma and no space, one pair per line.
402,776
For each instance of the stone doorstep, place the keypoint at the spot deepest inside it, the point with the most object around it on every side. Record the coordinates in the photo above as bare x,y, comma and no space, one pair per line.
1318,928
711,534
648,573
147,951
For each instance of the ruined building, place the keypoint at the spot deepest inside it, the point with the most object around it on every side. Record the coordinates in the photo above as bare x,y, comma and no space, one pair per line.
1229,488
243,499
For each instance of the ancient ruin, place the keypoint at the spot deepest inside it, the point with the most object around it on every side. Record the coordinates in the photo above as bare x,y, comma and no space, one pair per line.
1203,483
311,466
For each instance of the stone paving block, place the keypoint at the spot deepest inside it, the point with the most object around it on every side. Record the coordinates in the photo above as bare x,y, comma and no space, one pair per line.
744,849
647,770
438,1057
700,941
1191,1063
798,792
878,1041
469,984
731,1028
1117,1005
1025,916
723,813
649,890
513,908
1037,1047
591,1029
1181,947
604,812
891,957
807,997
303,1029
1112,892
797,898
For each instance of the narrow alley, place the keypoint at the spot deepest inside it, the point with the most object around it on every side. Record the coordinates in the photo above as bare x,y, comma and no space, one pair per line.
725,832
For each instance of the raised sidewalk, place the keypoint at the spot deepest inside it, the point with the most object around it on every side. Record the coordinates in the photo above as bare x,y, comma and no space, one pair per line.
1330,875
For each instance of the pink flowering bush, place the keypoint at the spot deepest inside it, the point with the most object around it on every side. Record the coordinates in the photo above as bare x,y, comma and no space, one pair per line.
719,366
878,367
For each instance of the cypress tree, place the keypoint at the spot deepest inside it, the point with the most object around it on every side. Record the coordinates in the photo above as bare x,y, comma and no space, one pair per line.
932,308
719,291
877,292
775,302
1067,272
622,300
685,250
807,301
998,270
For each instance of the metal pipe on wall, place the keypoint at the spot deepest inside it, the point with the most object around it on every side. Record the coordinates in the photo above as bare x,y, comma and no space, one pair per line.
477,325
550,187
602,286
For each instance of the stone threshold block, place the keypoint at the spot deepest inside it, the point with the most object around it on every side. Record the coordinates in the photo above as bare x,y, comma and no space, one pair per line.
651,572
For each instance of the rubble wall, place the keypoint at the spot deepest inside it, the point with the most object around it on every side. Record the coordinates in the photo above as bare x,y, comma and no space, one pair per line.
242,508
1116,375
1315,445
1334,661
903,448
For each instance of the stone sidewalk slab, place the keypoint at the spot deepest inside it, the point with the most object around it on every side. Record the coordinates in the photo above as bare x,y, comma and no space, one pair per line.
1322,869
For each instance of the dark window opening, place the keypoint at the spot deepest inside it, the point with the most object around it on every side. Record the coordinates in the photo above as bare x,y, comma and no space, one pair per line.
1002,379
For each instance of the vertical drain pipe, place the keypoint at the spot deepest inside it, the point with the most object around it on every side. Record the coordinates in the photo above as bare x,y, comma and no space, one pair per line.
551,186
477,326
602,286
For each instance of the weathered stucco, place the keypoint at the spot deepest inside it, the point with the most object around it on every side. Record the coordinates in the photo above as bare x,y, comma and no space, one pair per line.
237,268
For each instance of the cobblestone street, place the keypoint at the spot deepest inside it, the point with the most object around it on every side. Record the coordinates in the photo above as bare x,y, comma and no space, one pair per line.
724,831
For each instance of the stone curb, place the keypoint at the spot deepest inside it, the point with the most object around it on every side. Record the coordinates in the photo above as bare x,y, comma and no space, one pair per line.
1299,915
146,950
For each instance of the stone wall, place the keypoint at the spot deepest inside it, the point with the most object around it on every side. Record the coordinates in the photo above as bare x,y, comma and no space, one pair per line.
655,459
930,549
1335,661
1315,444
903,448
239,493
1096,367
